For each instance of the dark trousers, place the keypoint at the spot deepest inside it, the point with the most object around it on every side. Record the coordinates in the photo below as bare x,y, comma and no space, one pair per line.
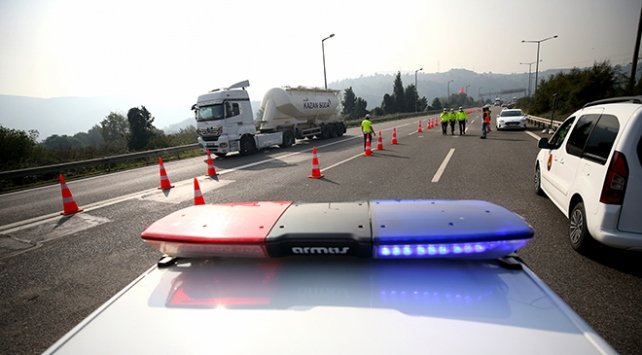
452,127
365,138
444,127
462,127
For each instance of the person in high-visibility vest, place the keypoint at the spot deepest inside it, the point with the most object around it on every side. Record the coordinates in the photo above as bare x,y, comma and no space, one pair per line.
461,119
453,120
444,117
367,129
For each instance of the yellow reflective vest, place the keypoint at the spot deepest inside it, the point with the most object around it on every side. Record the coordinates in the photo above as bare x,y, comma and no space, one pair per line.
461,116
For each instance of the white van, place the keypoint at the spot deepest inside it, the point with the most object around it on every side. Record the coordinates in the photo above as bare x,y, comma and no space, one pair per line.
591,168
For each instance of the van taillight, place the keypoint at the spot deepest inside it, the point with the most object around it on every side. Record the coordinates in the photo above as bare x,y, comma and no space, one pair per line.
615,181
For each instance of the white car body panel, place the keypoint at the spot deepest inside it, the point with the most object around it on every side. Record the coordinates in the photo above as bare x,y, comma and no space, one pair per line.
328,305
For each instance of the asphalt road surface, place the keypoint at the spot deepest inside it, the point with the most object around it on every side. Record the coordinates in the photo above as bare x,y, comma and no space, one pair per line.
56,270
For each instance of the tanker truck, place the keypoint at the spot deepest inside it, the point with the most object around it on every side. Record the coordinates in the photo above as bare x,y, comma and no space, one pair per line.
225,122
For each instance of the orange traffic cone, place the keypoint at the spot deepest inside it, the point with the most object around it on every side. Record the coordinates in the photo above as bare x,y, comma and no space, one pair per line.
419,129
368,150
211,171
379,142
69,206
316,173
394,136
428,125
164,180
198,197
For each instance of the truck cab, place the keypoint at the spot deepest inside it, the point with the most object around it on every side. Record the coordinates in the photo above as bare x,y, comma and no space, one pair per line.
224,120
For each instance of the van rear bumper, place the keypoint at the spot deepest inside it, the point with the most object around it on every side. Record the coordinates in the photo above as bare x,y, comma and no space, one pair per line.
607,232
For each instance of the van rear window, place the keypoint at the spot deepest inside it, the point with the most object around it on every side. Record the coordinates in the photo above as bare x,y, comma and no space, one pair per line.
599,144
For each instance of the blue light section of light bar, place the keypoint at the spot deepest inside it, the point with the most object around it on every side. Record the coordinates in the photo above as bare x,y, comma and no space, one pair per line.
415,222
473,250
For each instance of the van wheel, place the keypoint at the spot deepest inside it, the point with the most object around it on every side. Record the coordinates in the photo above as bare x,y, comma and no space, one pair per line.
248,146
288,139
538,181
578,232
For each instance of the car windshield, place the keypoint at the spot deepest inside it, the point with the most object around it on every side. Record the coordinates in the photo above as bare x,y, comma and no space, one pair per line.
210,113
514,113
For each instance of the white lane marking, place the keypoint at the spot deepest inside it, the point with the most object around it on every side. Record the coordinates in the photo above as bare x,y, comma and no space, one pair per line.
411,133
443,165
533,135
342,162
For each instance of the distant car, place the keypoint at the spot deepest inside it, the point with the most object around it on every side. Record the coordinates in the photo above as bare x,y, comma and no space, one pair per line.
591,168
511,119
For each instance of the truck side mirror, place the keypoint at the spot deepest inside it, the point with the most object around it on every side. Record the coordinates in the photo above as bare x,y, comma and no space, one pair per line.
543,143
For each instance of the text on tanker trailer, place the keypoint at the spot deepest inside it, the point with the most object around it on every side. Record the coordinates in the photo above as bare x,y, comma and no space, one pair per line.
225,122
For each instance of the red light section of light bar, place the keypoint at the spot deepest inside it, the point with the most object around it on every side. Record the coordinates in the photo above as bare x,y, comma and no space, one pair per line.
227,223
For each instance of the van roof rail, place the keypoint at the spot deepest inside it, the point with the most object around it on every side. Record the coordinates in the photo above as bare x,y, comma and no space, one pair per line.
614,100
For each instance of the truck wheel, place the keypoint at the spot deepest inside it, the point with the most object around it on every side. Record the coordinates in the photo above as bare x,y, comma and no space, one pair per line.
288,139
334,131
220,155
341,129
248,146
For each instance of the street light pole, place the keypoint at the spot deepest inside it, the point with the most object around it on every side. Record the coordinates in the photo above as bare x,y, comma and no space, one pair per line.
529,76
417,90
325,80
448,95
537,62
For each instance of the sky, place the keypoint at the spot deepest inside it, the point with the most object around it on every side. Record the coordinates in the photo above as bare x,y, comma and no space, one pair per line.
173,51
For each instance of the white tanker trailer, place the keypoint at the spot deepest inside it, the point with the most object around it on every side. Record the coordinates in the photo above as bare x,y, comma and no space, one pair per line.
225,122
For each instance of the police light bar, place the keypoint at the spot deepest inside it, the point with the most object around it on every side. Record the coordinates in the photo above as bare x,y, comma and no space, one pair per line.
468,229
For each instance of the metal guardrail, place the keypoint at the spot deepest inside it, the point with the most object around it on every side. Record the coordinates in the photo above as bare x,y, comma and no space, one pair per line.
540,122
106,161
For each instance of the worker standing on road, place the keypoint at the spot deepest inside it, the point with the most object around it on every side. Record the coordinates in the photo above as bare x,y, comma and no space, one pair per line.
461,119
485,121
453,120
368,131
445,117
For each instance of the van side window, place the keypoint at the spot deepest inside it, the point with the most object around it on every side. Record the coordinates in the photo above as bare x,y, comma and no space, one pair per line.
558,137
580,134
599,144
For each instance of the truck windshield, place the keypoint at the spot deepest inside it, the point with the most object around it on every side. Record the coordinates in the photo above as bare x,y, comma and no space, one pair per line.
210,113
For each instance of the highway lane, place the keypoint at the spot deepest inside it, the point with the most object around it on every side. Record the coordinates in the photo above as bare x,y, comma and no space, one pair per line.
52,285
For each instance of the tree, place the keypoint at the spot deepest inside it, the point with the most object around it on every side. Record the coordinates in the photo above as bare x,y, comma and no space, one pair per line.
436,104
360,108
115,131
398,95
422,105
349,103
388,104
411,99
141,128
16,147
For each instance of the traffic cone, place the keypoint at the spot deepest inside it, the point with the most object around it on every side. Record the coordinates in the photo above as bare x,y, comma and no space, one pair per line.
419,129
198,197
69,206
368,150
211,171
394,136
428,126
379,142
164,180
316,173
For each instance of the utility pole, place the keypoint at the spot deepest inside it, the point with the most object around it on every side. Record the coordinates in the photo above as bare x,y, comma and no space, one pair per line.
634,63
